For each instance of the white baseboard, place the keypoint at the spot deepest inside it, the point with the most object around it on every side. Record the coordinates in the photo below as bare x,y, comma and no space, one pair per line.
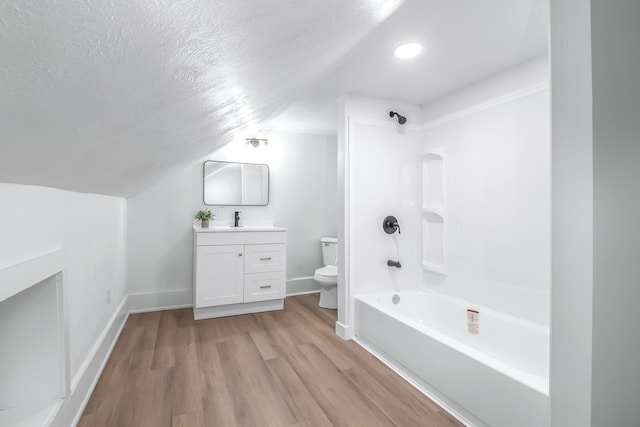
236,309
302,285
303,293
343,331
162,300
85,381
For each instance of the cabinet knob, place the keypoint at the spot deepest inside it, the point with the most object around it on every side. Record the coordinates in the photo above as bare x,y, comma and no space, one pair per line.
239,254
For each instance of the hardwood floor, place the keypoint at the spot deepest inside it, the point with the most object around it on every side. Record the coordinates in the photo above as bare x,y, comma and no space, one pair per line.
281,368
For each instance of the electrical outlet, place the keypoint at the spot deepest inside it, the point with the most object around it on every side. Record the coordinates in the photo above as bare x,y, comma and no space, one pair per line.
108,295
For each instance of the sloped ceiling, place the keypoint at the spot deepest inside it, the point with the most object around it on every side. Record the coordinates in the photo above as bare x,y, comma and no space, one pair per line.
106,96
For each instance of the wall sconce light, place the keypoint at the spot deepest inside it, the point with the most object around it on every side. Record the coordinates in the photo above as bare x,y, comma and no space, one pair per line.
256,141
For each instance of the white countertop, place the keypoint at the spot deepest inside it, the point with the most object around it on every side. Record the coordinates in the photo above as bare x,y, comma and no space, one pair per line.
231,229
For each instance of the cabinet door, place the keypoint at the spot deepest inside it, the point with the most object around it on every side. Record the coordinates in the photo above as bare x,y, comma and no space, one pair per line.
264,258
219,275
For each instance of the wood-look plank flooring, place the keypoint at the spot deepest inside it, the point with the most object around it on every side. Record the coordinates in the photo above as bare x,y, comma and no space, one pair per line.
280,368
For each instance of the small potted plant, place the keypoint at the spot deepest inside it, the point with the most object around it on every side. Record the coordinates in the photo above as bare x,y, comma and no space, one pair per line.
204,216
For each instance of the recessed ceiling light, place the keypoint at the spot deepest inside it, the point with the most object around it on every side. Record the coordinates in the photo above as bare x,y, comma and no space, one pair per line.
407,50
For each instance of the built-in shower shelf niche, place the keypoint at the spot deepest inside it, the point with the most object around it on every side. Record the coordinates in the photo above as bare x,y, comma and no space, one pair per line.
434,212
433,247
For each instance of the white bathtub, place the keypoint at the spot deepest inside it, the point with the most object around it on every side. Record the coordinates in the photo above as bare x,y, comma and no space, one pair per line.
498,377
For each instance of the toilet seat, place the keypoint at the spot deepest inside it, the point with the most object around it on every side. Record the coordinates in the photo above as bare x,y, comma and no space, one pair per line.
327,274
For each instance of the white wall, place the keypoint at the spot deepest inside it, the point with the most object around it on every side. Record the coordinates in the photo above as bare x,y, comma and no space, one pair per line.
303,199
595,378
92,231
379,175
616,235
495,137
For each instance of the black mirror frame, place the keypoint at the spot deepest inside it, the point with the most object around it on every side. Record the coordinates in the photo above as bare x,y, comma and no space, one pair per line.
204,168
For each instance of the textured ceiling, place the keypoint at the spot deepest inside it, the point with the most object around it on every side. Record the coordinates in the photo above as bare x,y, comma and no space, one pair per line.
106,96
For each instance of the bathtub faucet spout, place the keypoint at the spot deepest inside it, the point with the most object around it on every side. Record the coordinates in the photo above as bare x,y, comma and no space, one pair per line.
392,263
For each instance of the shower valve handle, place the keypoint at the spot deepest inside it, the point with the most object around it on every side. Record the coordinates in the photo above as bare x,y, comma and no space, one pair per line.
390,225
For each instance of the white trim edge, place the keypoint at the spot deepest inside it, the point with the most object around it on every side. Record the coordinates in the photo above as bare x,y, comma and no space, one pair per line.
162,300
301,286
303,293
85,381
343,331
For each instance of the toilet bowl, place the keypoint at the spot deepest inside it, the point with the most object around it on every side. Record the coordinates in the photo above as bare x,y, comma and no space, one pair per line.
327,276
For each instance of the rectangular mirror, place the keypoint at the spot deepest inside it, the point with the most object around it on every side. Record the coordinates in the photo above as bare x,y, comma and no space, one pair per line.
236,184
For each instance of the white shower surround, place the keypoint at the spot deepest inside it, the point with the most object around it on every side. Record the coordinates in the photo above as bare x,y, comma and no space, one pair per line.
498,377
503,122
498,202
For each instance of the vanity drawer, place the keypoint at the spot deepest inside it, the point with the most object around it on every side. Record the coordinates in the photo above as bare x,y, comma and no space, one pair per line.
264,286
265,258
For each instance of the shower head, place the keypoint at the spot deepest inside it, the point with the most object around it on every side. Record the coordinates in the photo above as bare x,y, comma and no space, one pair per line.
401,119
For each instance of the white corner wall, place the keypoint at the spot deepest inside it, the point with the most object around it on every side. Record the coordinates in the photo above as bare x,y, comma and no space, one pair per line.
91,230
615,34
378,176
302,173
595,380
494,137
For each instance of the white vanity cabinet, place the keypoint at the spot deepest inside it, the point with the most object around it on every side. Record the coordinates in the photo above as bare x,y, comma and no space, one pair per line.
238,270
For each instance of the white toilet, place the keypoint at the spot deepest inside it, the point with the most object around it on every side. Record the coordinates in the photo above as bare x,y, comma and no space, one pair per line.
327,276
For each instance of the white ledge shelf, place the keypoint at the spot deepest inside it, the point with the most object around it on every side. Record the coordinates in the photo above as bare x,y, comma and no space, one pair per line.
436,209
18,277
436,268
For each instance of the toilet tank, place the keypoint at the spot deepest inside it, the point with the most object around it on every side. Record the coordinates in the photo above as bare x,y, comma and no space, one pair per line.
329,250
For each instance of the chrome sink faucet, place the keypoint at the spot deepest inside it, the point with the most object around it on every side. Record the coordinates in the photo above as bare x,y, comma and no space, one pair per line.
236,219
